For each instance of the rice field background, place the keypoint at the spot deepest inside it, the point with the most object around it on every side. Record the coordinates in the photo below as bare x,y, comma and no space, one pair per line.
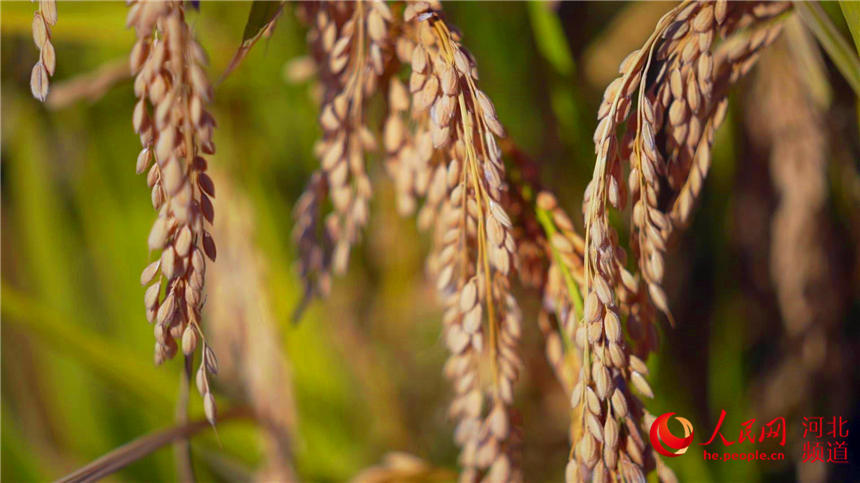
359,376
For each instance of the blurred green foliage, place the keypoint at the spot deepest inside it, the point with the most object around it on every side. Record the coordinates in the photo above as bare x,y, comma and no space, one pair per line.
77,379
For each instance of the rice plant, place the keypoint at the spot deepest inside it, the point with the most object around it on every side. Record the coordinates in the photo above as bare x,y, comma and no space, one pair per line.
404,124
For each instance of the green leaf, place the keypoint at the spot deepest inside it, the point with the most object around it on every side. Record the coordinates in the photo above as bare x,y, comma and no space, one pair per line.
550,38
810,60
545,219
851,12
105,357
837,47
263,14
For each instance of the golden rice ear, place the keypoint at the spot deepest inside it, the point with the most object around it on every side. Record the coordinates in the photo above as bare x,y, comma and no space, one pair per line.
451,166
668,101
175,131
44,18
562,309
352,46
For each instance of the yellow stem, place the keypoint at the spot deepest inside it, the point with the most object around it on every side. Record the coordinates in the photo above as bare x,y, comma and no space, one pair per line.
443,36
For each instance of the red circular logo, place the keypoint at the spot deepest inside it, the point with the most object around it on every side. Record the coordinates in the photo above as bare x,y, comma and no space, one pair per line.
661,437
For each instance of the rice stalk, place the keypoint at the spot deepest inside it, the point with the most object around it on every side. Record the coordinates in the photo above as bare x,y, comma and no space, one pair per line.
450,159
132,451
678,81
440,147
91,86
444,146
402,467
175,131
549,259
43,20
561,299
243,330
351,45
474,249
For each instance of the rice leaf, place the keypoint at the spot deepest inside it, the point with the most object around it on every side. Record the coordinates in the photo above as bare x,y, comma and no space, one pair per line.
851,12
550,38
836,46
263,14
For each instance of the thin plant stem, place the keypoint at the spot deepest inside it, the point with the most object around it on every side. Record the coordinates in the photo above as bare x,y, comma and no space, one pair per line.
573,291
182,446
140,447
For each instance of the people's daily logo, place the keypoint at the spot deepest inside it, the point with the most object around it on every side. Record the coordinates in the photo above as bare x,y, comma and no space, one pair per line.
666,443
